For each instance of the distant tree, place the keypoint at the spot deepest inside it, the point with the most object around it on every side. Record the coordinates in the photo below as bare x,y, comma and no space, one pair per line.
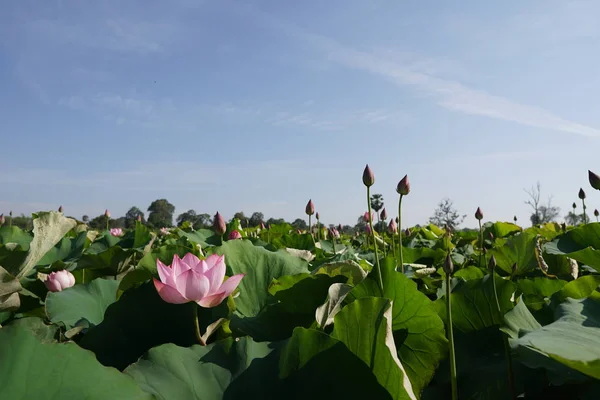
203,221
256,219
575,219
275,221
118,223
242,217
22,221
445,215
98,223
161,213
85,219
377,202
299,223
131,217
188,216
542,213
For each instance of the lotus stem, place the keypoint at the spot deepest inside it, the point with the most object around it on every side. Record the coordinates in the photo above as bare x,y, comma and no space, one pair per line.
584,214
374,241
480,242
197,326
400,233
451,339
393,245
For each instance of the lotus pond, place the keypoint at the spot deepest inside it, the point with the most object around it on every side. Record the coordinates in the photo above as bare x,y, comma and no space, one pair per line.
280,314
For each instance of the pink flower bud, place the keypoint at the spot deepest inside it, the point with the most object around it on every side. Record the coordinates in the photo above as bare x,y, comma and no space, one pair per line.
368,229
234,235
581,194
383,214
317,215
403,187
2,219
116,232
310,208
392,227
368,176
219,225
60,209
478,214
515,219
366,216
595,213
164,231
107,214
59,280
139,218
448,265
407,232
262,225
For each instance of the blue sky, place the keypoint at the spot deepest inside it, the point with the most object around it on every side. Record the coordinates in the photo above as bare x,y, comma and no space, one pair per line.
261,105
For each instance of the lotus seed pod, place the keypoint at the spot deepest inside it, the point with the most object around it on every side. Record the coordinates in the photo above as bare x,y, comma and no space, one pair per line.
219,225
403,187
581,194
478,214
310,208
368,177
594,180
448,265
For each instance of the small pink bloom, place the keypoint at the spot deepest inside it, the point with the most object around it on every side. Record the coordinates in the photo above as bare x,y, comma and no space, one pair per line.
234,235
366,217
59,280
191,279
392,227
116,232
164,231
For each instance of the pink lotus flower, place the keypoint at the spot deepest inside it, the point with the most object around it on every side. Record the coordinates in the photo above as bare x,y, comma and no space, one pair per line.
234,235
366,217
116,232
164,231
59,280
191,279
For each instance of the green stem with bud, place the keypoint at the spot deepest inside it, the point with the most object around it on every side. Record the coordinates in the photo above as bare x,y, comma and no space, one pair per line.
374,241
451,339
400,233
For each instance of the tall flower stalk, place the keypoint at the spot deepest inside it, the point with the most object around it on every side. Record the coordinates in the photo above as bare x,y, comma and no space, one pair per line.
369,180
393,229
310,210
403,189
582,197
479,217
448,269
383,217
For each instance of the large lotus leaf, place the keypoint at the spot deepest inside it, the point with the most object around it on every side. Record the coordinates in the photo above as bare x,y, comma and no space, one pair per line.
581,243
474,304
14,234
12,256
9,291
137,238
261,267
538,291
422,255
350,269
202,237
519,249
139,321
585,286
365,327
336,294
501,229
67,249
302,293
572,340
112,261
548,231
44,333
88,301
418,330
302,242
33,370
163,253
206,372
48,229
315,357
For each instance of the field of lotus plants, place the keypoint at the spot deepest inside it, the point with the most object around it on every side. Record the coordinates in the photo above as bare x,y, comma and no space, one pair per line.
502,312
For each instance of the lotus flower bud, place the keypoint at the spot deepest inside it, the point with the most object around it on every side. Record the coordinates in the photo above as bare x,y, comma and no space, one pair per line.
334,233
397,220
2,219
581,194
107,214
478,214
594,180
368,229
219,225
492,263
448,265
563,226
60,209
262,225
10,213
139,218
515,219
116,232
407,232
310,208
403,187
59,280
340,227
317,215
574,205
383,214
368,177
392,227
164,231
596,213
366,216
234,235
